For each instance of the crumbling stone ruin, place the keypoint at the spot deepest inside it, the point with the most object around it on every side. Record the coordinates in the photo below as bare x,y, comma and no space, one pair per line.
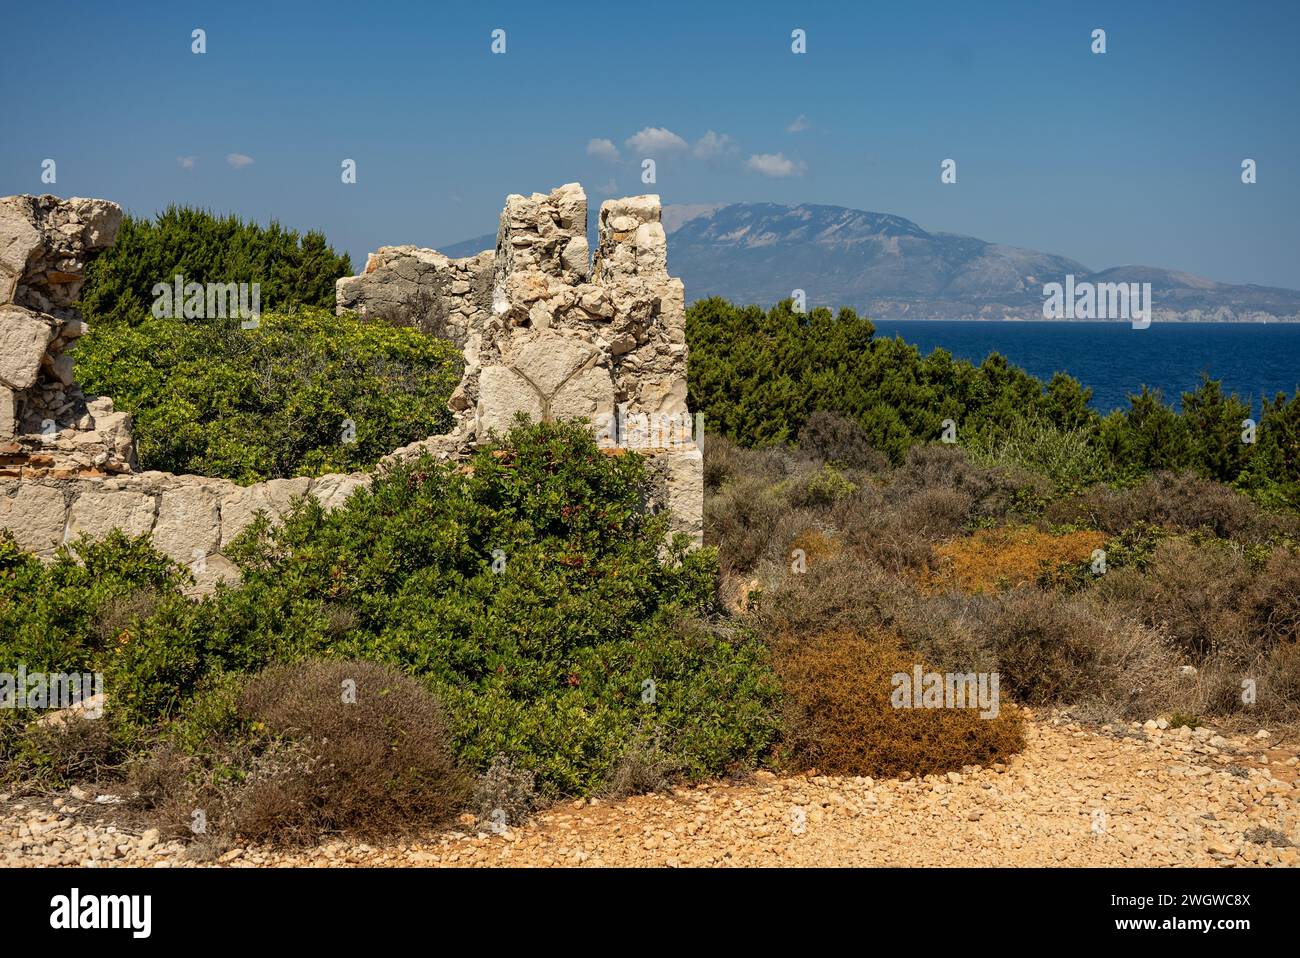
45,244
559,335
546,330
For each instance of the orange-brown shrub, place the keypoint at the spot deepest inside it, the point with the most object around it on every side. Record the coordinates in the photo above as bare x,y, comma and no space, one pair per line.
839,719
816,545
997,559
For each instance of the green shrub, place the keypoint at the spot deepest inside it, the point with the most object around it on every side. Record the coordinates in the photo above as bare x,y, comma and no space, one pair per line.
291,270
532,594
1069,458
68,615
305,393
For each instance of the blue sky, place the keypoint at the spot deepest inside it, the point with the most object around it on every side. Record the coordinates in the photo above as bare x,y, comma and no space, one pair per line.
1128,157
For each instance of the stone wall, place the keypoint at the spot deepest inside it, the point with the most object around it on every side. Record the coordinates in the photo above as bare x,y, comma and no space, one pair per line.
409,286
545,331
192,519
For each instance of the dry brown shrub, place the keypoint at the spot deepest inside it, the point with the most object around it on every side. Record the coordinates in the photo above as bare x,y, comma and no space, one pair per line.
816,545
1196,594
379,766
57,753
993,492
835,437
1047,648
1179,502
725,461
121,612
839,717
1007,557
740,520
840,592
1274,598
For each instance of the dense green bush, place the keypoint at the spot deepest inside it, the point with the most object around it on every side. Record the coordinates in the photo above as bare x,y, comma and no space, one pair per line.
532,594
291,270
212,398
216,400
760,378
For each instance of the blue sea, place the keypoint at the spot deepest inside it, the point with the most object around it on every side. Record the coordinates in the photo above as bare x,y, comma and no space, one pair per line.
1116,360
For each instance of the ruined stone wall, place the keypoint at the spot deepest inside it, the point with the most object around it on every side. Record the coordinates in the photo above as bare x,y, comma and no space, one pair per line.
421,288
569,337
545,331
45,245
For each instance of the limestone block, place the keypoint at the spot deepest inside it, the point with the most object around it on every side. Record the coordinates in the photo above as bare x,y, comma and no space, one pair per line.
551,359
680,477
651,248
333,490
99,221
98,511
575,256
34,513
213,569
502,394
240,504
571,202
8,413
589,395
23,339
189,518
19,238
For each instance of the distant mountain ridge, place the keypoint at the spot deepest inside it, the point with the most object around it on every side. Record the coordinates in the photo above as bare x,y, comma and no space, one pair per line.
888,267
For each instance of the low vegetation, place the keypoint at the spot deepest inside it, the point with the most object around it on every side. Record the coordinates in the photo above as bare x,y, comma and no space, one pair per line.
489,639
304,393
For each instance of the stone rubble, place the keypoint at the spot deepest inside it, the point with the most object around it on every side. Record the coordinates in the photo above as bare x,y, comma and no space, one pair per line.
1075,797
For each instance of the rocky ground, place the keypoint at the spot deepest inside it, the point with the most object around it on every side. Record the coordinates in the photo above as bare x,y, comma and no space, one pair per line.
1133,795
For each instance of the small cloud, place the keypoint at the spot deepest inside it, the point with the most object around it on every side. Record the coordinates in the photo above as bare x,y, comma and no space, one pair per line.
775,164
238,160
608,188
798,124
603,149
655,140
712,144
186,162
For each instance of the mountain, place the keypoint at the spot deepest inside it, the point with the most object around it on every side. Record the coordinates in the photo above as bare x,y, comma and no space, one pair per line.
471,247
888,267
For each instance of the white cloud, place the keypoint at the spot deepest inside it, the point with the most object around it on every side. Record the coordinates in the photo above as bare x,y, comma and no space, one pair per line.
798,124
713,144
239,160
608,188
775,164
655,140
603,149
186,162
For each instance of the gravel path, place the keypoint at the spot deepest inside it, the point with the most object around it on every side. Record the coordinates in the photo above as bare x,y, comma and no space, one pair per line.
1138,795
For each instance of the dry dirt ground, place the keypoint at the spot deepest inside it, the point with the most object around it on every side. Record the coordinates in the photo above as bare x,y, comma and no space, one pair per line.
1131,795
